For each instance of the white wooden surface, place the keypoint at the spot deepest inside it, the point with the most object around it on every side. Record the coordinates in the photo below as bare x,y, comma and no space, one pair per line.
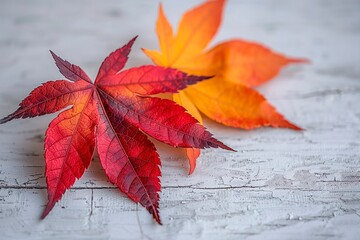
280,184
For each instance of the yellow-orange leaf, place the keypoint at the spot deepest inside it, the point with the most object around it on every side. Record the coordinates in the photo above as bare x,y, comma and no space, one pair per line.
240,62
192,155
181,99
247,63
165,34
237,66
235,105
204,21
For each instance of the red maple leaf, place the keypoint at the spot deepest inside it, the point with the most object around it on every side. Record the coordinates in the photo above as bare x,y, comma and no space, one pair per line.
110,113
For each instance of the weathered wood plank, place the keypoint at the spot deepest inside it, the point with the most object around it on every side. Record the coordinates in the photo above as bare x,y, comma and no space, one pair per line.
200,213
279,185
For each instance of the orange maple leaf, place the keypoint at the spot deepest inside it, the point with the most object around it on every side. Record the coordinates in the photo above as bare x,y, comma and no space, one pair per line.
236,65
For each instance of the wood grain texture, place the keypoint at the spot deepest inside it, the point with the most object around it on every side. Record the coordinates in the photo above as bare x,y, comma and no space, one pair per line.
279,185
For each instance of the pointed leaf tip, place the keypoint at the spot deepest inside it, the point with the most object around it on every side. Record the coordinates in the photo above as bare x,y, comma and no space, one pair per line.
115,62
292,126
156,215
131,42
299,60
5,119
223,146
70,71
50,205
192,155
